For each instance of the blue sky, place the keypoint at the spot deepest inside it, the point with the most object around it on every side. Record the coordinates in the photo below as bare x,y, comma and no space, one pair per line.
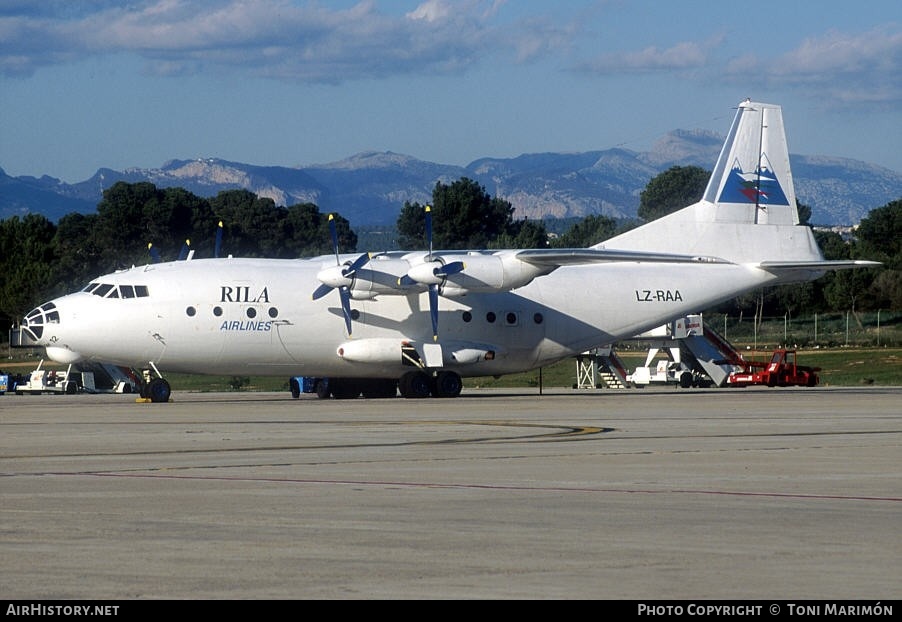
102,83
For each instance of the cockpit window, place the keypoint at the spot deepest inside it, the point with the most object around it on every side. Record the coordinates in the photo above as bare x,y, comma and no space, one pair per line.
108,290
102,290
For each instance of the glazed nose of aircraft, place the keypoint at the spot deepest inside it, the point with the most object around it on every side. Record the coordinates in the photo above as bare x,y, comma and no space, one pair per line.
36,322
40,328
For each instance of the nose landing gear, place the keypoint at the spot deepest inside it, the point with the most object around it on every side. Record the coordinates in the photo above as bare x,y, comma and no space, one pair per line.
155,389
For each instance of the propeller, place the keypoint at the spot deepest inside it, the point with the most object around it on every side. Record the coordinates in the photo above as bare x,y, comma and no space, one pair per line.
340,277
432,273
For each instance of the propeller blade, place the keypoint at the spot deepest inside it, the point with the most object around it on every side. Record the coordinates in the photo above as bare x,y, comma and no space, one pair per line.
357,264
451,268
433,310
184,252
321,291
345,294
154,253
218,245
429,229
334,234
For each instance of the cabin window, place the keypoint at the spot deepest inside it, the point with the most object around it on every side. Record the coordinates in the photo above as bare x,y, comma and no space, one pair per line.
127,291
537,318
490,317
273,312
467,316
217,311
141,291
191,311
251,312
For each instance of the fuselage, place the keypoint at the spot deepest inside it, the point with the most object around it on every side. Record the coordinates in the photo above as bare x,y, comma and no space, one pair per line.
257,317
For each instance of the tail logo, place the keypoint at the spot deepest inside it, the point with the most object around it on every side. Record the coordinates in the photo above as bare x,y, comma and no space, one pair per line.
759,186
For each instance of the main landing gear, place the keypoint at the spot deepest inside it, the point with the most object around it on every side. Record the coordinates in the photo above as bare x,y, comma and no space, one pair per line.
419,384
414,385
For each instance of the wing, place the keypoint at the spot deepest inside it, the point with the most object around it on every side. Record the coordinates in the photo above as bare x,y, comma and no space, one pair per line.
576,256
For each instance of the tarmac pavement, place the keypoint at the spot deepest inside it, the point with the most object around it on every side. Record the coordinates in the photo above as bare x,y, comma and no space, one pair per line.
755,493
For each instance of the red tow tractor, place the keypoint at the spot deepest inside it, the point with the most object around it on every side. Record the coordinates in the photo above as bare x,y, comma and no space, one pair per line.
781,371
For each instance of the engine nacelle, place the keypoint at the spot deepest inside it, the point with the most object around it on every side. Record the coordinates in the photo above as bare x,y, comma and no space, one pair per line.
380,277
427,273
486,273
394,275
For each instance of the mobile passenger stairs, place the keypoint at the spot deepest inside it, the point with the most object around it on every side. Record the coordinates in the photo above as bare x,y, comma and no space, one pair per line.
599,368
84,377
694,355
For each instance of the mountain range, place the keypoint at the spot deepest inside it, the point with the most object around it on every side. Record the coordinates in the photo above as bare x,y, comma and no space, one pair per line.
370,188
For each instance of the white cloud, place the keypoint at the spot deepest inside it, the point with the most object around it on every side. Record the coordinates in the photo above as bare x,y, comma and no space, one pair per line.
309,41
431,11
861,68
683,55
277,38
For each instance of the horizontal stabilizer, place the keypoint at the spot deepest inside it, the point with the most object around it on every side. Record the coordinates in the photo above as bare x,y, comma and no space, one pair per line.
778,266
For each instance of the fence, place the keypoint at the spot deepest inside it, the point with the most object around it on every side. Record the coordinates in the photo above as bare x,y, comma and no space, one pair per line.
873,328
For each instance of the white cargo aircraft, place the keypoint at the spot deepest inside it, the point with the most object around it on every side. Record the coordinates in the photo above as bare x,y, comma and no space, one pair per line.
417,322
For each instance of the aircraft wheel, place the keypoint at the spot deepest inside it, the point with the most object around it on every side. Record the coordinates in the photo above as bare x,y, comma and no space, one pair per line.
159,390
415,385
448,384
322,389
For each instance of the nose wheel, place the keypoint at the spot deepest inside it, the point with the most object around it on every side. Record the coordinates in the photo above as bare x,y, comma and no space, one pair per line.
157,390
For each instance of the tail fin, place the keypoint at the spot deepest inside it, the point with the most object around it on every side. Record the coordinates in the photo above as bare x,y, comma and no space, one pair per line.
752,181
748,211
